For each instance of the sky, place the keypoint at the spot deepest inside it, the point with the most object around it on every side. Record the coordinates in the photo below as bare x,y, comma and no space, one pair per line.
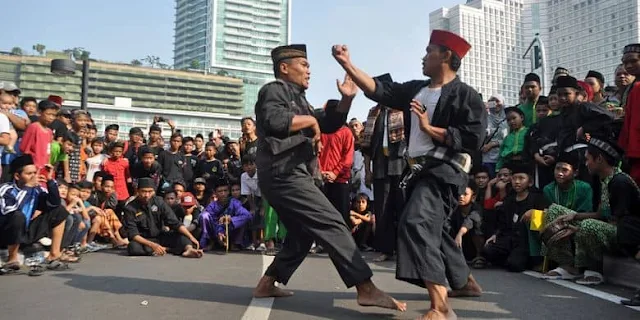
383,36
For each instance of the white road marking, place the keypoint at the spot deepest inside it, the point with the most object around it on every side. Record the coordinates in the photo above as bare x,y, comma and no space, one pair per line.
583,289
260,308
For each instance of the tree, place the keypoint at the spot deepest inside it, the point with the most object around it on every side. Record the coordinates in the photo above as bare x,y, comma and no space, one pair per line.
223,73
17,51
39,48
136,62
195,64
153,61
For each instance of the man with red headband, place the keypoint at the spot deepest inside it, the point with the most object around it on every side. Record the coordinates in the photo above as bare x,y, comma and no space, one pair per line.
446,121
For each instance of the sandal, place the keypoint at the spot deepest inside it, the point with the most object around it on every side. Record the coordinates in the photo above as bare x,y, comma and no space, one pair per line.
56,265
271,252
69,258
36,270
591,278
633,302
560,274
10,268
478,263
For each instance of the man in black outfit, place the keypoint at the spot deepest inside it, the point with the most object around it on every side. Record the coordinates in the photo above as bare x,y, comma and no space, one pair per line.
289,133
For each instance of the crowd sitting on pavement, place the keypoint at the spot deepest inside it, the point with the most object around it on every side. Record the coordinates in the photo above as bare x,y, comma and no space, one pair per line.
553,188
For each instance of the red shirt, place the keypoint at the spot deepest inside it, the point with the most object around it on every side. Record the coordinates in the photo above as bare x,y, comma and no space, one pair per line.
337,154
629,139
36,142
119,169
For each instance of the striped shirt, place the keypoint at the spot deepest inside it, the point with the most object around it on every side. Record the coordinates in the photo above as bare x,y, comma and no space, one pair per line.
27,199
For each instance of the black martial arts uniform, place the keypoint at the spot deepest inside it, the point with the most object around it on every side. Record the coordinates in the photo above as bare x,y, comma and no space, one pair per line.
541,139
286,167
148,221
624,200
426,251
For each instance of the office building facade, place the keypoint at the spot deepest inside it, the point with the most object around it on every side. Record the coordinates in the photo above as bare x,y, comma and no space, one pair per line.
232,37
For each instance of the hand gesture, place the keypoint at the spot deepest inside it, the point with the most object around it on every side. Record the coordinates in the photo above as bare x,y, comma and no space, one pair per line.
340,52
493,181
486,147
548,160
347,88
221,238
171,124
419,110
329,176
526,217
492,239
501,185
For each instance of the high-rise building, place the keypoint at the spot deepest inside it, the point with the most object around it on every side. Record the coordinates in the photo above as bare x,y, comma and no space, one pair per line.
232,37
494,30
579,35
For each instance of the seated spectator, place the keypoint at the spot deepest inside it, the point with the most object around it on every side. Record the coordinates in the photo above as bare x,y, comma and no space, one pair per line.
108,220
28,213
190,214
201,193
509,246
153,228
466,226
362,221
573,195
96,215
497,189
512,148
224,211
80,215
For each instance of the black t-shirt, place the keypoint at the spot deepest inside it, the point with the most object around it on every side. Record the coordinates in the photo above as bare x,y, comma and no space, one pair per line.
212,171
190,168
172,166
250,148
59,128
139,171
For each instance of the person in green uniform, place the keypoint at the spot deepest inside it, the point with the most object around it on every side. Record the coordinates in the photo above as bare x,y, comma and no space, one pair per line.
531,89
512,147
274,229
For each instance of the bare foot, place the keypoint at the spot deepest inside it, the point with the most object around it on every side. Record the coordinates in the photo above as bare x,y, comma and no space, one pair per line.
266,288
191,253
438,315
371,296
471,289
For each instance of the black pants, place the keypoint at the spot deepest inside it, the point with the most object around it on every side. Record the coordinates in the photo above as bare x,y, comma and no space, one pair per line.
173,241
426,251
362,233
511,251
13,228
308,217
387,207
338,195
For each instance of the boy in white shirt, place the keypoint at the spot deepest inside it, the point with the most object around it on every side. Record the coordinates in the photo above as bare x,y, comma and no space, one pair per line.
249,188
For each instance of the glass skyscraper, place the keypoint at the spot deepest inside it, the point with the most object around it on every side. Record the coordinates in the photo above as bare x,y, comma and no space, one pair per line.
232,37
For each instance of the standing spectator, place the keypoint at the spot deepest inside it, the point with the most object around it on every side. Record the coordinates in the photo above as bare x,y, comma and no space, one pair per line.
136,140
94,163
191,161
210,168
118,167
531,89
111,133
199,145
336,160
38,136
173,162
497,130
155,139
147,167
249,139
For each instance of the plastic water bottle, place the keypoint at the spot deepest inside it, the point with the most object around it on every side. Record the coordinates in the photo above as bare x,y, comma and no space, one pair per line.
35,259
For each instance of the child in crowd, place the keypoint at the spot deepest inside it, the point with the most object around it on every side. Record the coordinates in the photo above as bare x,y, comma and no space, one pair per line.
466,226
118,166
249,189
60,154
191,160
201,193
512,148
147,167
190,215
509,246
481,177
96,215
76,206
362,221
173,162
7,103
94,163
37,138
210,168
107,201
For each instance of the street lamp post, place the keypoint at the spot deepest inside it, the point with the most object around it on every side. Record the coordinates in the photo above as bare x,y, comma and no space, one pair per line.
68,67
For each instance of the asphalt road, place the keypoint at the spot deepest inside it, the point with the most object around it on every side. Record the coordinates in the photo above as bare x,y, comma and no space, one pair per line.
110,286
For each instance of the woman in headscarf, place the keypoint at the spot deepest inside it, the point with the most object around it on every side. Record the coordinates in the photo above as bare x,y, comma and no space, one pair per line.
497,130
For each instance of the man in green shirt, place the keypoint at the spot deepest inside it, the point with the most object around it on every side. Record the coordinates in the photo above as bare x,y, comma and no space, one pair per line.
60,150
531,89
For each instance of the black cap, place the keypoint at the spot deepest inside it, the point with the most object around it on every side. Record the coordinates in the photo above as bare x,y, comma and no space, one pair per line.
634,47
288,52
199,181
136,131
561,70
520,167
532,77
514,109
20,162
610,148
146,183
567,82
597,75
570,158
65,113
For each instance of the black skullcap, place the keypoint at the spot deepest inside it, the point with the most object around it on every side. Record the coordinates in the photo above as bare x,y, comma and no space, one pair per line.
608,147
107,177
532,77
553,90
520,167
384,78
597,75
634,47
20,162
46,104
514,109
146,183
543,100
567,82
570,158
136,131
288,52
561,70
